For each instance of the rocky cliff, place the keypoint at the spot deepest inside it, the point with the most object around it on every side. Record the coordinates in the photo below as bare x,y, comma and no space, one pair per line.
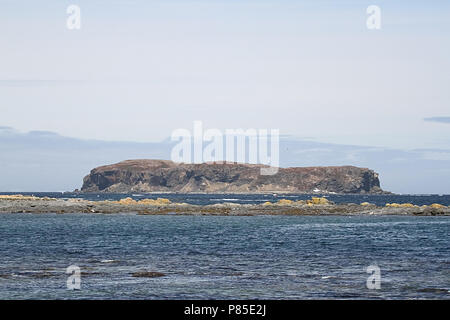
167,176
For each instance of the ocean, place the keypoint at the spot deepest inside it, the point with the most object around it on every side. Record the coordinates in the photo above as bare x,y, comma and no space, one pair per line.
226,257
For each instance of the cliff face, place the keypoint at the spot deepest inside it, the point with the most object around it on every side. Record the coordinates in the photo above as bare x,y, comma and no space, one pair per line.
167,176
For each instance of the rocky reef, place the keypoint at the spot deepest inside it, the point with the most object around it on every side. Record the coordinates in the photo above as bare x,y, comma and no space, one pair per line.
161,206
167,176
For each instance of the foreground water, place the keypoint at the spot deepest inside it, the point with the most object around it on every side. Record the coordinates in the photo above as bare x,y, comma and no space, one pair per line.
205,257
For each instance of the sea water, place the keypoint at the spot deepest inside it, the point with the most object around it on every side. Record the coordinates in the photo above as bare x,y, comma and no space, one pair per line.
224,257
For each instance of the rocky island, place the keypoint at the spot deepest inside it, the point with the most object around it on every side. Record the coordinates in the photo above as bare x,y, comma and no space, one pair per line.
161,176
166,176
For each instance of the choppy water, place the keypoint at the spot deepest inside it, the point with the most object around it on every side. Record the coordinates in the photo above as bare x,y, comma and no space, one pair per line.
203,257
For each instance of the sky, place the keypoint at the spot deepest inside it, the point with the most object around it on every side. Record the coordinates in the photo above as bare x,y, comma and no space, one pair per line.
138,70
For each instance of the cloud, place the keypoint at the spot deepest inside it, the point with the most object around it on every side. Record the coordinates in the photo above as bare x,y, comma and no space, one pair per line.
38,82
438,119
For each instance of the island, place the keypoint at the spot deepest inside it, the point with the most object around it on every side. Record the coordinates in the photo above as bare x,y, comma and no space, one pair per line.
159,176
163,176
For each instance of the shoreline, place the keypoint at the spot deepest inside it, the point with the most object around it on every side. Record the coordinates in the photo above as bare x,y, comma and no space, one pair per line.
314,207
268,192
287,193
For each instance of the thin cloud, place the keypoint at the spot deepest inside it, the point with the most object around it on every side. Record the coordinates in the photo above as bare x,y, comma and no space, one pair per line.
37,82
438,119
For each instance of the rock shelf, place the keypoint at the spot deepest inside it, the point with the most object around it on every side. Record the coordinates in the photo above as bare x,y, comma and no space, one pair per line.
161,206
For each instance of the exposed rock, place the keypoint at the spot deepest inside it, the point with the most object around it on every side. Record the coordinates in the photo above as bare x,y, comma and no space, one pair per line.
315,206
20,197
167,176
316,200
401,205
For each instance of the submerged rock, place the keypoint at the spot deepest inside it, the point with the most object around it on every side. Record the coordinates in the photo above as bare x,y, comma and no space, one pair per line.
434,290
147,274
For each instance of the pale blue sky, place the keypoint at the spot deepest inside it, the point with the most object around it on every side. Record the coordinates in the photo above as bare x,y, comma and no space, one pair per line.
137,70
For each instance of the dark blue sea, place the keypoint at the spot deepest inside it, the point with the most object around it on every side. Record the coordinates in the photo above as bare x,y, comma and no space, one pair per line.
220,257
